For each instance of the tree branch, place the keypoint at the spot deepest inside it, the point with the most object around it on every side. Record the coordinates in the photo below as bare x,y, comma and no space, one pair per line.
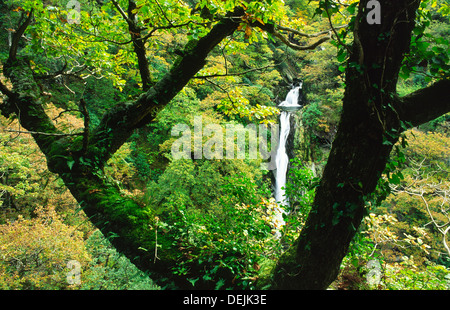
118,124
53,75
139,46
270,28
309,35
233,74
420,192
5,90
138,41
17,35
86,125
334,30
163,12
299,47
32,116
425,104
45,133
121,11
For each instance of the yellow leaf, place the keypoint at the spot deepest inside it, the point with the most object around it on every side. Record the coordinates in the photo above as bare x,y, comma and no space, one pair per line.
248,31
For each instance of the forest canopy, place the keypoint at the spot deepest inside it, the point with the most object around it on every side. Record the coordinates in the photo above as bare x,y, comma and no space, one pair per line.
95,95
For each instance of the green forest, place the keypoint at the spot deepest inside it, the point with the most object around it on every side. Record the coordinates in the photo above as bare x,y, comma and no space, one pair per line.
97,98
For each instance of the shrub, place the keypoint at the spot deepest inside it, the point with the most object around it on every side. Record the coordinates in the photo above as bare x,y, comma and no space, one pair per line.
35,252
110,270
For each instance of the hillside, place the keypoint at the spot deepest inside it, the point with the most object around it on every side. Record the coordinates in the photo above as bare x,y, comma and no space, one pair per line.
93,196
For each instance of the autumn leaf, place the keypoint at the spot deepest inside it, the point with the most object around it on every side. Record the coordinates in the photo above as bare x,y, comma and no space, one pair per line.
248,31
260,20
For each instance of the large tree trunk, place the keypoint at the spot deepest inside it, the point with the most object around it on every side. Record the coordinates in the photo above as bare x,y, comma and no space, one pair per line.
130,227
371,122
370,125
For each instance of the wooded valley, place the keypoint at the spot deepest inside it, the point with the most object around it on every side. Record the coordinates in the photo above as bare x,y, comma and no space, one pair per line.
98,98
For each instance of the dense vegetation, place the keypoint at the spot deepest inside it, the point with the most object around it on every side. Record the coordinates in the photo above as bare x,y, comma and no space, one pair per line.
207,221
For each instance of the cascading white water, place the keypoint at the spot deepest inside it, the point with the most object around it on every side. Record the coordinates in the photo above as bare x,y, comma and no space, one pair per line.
292,97
282,159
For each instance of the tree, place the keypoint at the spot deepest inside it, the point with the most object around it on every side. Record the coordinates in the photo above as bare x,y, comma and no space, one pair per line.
79,158
372,120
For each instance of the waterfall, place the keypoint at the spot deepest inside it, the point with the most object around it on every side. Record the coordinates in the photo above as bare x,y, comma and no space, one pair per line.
282,160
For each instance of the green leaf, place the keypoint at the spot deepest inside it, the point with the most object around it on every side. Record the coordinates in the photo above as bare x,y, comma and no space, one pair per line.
192,281
70,164
219,284
394,179
352,8
342,55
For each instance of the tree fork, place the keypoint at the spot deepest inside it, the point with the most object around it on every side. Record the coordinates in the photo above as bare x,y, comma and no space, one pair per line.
356,161
373,118
118,124
125,222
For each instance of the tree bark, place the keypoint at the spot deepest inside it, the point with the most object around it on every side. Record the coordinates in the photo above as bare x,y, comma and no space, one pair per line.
129,226
372,119
118,124
371,123
138,42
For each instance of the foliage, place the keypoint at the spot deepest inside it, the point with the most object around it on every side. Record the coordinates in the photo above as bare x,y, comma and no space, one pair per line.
26,183
109,270
35,252
404,233
389,270
407,276
432,147
214,216
429,47
221,244
15,171
241,93
300,192
120,169
35,255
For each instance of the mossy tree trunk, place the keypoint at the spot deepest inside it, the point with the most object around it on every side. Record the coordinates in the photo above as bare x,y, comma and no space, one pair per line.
372,120
79,162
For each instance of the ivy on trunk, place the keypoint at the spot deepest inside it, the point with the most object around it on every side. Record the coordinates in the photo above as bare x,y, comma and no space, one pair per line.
372,120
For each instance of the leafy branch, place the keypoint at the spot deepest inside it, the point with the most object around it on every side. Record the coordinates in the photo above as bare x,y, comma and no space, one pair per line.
334,29
234,73
45,133
440,191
